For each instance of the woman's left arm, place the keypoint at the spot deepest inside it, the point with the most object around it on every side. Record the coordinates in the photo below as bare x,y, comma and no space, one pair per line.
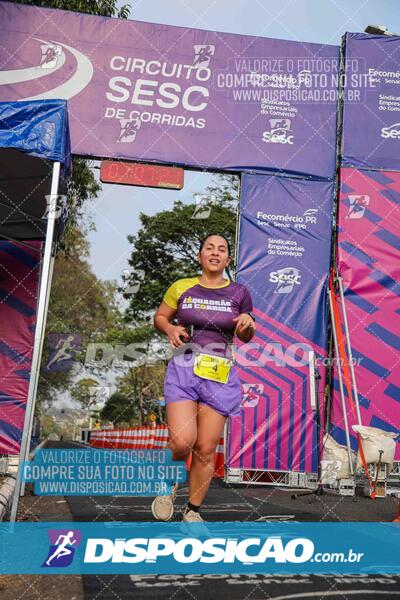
245,324
245,327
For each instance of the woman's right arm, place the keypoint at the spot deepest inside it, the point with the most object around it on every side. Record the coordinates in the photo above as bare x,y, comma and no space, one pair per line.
162,322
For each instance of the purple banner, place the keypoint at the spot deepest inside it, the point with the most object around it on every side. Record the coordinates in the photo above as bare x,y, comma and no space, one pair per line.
167,94
371,112
284,252
369,262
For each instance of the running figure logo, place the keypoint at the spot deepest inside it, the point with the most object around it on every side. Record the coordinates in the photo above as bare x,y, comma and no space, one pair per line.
50,54
63,543
251,394
63,350
330,470
357,205
202,55
129,129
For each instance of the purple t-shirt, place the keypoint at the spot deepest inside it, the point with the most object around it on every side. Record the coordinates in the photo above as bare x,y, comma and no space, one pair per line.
209,310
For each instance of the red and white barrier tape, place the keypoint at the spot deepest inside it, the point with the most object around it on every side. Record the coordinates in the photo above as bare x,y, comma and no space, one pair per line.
145,438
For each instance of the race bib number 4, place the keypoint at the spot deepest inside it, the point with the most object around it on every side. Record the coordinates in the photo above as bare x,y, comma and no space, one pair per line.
215,368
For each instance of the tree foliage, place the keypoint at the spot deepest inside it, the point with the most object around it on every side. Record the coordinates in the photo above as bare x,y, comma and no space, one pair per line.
138,392
82,187
119,409
79,303
81,392
103,8
145,385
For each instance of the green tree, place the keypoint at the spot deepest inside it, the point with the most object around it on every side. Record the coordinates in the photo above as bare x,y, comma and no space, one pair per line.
80,303
138,393
166,246
82,187
103,8
119,409
82,392
49,425
144,383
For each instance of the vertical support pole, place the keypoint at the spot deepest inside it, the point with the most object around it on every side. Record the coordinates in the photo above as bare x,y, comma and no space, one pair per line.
237,232
236,258
346,328
44,294
346,424
311,371
225,436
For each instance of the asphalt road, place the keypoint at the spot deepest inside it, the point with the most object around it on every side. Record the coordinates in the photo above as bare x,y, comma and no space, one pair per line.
242,587
238,503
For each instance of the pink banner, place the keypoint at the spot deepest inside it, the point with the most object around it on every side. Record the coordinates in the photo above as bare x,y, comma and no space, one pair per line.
19,276
276,430
369,262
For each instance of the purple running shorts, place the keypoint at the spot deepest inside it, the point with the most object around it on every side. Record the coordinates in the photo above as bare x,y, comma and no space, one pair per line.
182,384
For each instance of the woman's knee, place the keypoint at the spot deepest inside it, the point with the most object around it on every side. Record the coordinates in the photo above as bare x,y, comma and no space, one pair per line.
181,447
205,450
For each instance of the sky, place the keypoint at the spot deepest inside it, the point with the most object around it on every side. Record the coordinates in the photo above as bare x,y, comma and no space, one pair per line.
116,211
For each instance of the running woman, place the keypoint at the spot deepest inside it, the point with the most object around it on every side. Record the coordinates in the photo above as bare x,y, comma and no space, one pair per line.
202,392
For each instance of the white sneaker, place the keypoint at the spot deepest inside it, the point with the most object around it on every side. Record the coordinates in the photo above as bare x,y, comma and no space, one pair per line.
162,507
192,516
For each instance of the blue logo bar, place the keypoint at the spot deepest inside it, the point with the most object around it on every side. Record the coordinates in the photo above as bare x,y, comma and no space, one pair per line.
200,548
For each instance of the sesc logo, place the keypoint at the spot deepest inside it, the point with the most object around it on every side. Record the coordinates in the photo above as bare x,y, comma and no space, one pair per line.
391,132
285,279
280,132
